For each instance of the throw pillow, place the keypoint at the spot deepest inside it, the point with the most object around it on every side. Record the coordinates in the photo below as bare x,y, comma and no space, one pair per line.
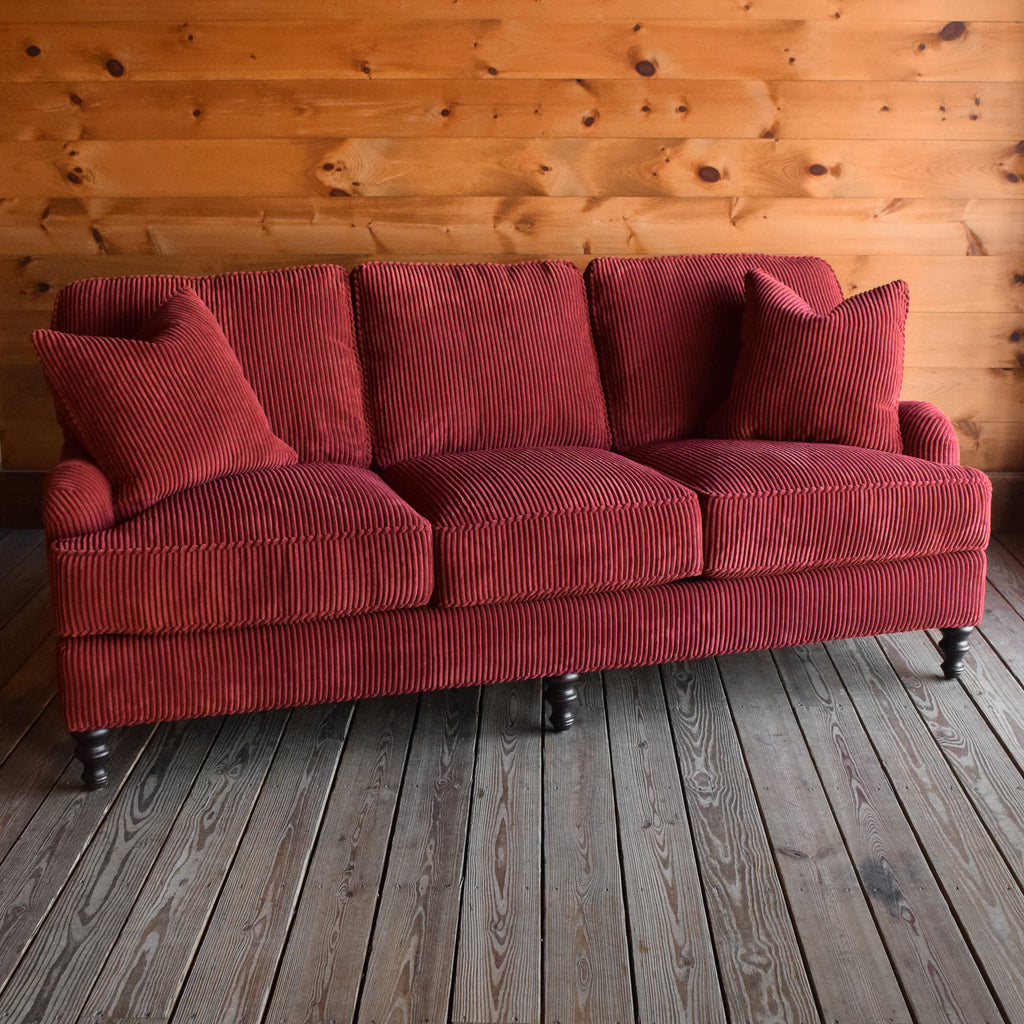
805,376
163,412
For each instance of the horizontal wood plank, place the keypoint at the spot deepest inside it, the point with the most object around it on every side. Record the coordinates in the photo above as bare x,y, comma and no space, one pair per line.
241,10
519,109
938,284
594,168
485,48
532,226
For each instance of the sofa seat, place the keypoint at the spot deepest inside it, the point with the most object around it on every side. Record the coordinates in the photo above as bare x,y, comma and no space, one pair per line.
773,506
518,524
291,544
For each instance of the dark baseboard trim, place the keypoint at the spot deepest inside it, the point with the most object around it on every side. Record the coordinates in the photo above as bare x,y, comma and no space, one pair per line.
21,500
1007,502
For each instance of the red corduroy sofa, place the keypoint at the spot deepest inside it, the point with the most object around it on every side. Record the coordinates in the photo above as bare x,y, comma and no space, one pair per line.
303,486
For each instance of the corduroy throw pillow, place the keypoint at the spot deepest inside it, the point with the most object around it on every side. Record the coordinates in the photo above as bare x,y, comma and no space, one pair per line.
163,412
804,376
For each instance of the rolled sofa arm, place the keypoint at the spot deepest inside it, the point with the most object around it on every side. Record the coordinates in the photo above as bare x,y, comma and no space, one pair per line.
77,500
928,434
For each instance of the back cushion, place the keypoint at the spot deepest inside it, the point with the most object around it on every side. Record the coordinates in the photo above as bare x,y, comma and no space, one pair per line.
667,330
477,356
292,331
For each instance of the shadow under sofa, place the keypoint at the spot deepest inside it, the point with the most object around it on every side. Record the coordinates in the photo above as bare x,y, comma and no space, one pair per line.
302,486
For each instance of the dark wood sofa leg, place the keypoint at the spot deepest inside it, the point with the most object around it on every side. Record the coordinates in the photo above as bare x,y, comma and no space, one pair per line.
92,748
954,645
561,693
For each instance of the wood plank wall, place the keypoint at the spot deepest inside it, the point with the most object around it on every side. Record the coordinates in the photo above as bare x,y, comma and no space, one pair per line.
206,135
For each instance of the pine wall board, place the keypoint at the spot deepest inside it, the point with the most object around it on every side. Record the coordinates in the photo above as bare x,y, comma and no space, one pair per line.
199,136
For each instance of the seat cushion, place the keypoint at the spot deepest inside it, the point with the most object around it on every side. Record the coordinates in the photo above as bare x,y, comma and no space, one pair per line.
163,412
511,525
771,506
293,544
467,357
804,376
667,330
292,330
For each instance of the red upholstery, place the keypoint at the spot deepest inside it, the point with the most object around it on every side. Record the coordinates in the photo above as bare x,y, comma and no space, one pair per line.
513,525
284,545
667,330
805,376
292,331
927,433
478,356
772,506
163,412
115,680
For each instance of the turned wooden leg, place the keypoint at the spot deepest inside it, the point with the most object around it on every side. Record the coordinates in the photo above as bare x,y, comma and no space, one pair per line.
561,693
954,645
92,748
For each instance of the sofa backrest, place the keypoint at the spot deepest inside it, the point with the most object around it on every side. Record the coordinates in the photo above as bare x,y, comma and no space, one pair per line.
667,330
292,331
474,356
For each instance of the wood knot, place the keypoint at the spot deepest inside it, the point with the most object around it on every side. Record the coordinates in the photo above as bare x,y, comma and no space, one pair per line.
710,174
115,68
645,68
954,30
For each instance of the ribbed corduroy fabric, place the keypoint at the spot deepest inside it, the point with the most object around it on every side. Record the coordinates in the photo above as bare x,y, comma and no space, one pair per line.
829,377
467,357
291,329
302,542
164,412
927,433
667,330
115,680
780,506
77,499
519,524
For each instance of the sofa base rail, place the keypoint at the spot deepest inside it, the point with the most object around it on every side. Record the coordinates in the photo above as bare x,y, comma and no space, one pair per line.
92,746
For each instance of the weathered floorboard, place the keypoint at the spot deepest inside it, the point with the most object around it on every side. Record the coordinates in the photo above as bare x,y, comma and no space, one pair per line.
233,969
846,960
497,973
586,952
676,977
410,968
323,960
153,954
982,890
763,973
937,973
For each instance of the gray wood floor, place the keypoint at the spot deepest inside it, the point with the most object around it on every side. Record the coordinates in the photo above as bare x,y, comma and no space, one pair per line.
829,834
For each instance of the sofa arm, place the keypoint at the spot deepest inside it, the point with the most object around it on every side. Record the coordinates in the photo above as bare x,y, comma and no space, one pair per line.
77,500
928,434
